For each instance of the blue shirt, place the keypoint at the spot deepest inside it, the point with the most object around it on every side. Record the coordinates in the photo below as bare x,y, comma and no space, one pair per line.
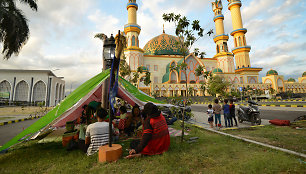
226,109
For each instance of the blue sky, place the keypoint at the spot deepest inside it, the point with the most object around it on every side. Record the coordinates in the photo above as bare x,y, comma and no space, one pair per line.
62,33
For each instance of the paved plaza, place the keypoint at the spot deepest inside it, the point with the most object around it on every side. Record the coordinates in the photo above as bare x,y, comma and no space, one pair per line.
201,119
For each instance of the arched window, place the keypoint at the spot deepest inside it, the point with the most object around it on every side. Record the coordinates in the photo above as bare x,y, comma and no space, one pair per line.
225,46
22,91
218,49
63,94
173,77
280,83
222,48
60,93
192,78
133,41
183,77
236,44
239,38
244,41
5,87
39,91
56,93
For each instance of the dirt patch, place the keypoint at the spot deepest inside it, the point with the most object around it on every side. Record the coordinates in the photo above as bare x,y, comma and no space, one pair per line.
18,110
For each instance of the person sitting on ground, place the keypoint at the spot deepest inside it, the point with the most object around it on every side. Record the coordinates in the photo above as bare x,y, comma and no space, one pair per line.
155,139
97,133
133,121
123,118
217,110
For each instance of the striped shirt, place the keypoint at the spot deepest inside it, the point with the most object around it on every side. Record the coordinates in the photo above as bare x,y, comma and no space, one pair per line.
98,133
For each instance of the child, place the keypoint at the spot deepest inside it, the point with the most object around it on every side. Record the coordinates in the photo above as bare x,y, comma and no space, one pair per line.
210,112
217,111
232,112
226,112
123,118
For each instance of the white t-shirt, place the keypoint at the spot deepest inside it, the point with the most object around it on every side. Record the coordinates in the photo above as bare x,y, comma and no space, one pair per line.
98,133
210,112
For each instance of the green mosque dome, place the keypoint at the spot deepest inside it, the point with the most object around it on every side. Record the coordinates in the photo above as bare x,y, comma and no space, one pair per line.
216,70
271,72
144,68
304,74
291,80
163,44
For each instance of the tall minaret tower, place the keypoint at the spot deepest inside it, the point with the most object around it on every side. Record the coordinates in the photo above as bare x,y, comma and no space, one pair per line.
241,49
134,54
224,57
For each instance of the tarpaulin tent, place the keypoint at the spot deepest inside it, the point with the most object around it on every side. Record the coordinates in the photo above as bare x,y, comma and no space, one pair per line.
71,107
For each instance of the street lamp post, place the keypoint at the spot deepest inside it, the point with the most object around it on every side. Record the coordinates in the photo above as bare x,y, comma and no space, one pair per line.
108,57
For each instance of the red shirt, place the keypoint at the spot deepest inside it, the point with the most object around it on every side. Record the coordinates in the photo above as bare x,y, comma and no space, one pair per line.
157,135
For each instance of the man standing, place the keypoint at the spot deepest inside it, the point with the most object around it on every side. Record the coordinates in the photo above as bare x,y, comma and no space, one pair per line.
97,133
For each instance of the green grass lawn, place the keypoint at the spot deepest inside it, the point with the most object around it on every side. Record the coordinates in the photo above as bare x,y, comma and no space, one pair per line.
287,137
212,153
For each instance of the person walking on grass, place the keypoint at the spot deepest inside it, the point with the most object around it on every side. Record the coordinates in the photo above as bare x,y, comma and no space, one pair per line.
226,112
232,113
210,113
217,110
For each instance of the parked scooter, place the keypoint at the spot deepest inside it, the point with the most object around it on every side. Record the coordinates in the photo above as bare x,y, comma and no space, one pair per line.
250,113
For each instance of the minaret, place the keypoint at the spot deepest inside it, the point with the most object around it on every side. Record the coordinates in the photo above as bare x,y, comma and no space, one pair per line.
134,54
224,57
241,50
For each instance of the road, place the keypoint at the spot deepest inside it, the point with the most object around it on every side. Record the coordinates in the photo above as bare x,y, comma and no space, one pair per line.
9,131
268,113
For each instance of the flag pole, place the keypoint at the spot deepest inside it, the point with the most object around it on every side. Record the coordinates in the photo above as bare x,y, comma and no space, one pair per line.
113,90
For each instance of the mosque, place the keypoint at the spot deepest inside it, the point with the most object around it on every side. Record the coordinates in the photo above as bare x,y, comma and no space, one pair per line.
161,52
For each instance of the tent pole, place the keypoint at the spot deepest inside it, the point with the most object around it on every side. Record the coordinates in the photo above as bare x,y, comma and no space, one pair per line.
110,125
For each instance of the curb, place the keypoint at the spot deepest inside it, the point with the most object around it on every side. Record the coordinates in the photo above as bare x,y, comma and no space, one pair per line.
19,120
292,106
254,142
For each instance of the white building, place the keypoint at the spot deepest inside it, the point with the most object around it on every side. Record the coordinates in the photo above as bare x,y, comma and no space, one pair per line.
31,86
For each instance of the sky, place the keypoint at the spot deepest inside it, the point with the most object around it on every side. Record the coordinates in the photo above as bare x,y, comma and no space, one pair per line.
62,33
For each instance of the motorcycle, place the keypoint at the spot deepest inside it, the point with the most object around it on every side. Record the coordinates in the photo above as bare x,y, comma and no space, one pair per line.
250,113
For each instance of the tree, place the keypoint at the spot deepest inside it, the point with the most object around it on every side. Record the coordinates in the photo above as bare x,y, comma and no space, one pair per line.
147,79
188,33
200,72
203,87
202,54
124,69
136,76
216,85
196,51
14,29
190,91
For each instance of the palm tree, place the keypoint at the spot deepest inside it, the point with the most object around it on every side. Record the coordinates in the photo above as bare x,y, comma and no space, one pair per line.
14,29
202,55
196,51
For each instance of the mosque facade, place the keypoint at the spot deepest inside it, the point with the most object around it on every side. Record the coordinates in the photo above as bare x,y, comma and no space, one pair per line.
161,52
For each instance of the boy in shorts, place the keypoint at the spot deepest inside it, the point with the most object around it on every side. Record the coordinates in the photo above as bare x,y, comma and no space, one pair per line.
210,113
